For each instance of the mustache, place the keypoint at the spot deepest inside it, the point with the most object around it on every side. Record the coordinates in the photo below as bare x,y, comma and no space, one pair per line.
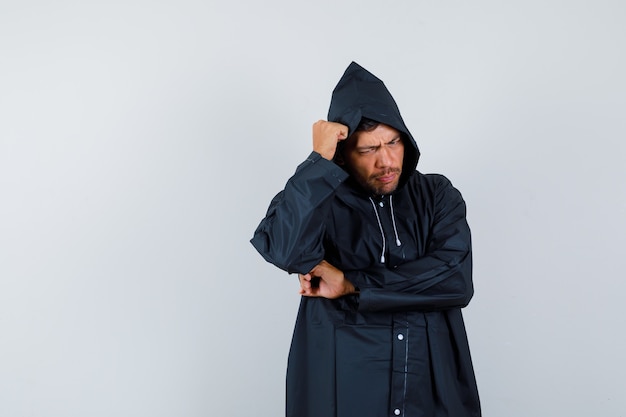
387,172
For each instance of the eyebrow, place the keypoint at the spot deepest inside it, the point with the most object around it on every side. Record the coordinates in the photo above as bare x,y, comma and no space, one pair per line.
359,148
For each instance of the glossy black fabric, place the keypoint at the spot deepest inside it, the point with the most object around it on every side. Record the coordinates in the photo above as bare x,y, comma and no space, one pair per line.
399,348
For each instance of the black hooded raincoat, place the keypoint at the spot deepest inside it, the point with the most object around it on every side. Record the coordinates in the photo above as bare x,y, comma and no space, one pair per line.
400,347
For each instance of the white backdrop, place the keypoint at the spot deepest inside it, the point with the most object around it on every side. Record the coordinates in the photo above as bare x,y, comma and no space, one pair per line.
141,142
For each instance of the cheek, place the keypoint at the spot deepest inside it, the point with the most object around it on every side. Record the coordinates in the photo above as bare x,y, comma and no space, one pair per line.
357,163
362,170
400,155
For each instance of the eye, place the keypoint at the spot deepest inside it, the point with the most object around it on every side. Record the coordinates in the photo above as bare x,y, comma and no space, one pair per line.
366,151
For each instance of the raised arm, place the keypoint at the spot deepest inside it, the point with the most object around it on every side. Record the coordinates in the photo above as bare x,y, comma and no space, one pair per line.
290,235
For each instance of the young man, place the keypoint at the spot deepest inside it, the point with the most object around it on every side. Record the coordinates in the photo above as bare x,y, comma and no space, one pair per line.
383,254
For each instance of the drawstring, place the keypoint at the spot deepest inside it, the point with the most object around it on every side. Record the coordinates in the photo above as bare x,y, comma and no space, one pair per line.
382,233
380,226
393,221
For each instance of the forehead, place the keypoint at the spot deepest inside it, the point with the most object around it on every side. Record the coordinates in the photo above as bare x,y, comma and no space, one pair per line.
382,133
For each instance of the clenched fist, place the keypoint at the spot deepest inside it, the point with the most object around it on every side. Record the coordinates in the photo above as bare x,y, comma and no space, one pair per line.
326,135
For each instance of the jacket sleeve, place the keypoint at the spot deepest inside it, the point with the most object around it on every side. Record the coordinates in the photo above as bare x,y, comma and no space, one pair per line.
291,234
441,279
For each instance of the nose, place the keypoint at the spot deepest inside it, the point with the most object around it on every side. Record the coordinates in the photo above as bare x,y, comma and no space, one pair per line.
383,157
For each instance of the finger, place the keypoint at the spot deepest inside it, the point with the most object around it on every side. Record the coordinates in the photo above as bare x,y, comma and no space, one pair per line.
343,132
305,284
314,292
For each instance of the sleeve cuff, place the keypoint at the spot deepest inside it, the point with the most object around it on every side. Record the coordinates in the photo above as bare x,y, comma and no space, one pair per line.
331,171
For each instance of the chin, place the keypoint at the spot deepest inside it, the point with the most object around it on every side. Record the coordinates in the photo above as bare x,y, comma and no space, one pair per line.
384,190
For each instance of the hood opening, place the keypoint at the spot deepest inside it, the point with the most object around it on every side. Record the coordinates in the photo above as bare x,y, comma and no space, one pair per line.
360,94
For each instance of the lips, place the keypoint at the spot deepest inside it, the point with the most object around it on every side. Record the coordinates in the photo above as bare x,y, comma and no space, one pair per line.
387,177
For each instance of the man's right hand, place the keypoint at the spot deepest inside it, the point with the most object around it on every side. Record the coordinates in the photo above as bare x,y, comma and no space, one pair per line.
326,135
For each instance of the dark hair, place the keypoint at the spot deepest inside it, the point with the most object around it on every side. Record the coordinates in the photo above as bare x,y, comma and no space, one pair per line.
366,125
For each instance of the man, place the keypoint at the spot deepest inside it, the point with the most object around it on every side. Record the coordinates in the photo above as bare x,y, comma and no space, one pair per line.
383,255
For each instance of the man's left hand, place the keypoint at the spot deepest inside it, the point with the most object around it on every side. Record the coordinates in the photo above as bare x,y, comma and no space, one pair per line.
332,282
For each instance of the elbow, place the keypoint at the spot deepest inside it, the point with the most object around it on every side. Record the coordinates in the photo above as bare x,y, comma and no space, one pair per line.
467,295
468,286
282,258
461,287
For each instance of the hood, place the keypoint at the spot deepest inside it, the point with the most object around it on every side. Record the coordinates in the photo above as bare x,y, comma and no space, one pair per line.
359,94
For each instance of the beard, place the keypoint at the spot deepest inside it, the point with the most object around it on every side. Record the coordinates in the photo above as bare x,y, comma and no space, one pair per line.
373,185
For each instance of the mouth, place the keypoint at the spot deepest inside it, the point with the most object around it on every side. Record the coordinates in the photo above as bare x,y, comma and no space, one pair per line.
387,177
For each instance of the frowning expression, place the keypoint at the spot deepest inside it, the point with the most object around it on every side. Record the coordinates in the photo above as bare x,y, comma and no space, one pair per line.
374,158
